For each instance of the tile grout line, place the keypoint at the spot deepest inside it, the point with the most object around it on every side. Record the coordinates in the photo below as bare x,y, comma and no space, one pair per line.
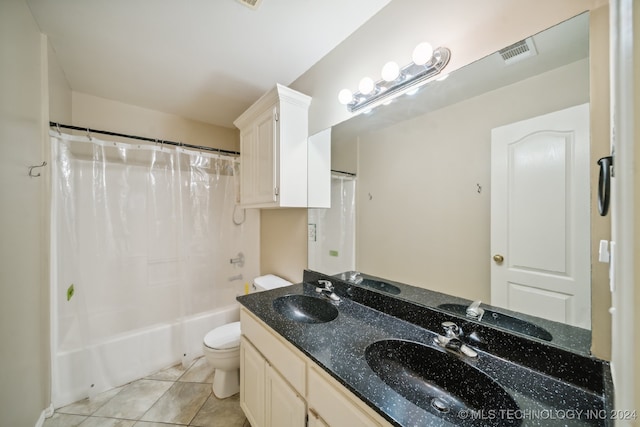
158,399
174,382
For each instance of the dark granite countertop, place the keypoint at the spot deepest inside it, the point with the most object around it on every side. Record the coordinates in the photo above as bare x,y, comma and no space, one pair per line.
551,387
562,335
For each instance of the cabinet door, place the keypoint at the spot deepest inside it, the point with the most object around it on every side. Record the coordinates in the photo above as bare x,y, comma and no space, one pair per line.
252,384
285,408
333,404
258,172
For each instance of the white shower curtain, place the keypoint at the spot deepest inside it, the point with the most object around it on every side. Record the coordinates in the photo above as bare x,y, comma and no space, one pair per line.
142,237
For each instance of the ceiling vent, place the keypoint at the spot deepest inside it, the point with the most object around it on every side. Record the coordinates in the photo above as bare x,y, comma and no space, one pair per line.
251,4
518,51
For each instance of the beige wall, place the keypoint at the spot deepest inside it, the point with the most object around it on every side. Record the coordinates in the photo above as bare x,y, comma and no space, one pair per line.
103,114
344,156
283,243
600,146
24,353
59,90
420,218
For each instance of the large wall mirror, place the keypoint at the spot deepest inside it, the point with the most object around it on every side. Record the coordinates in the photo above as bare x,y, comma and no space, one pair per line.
412,185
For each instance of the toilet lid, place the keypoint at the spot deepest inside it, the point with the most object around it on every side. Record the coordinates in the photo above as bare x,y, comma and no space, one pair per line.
270,281
224,337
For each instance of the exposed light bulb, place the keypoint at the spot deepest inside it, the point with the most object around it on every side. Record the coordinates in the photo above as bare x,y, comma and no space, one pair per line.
422,53
345,96
366,85
390,71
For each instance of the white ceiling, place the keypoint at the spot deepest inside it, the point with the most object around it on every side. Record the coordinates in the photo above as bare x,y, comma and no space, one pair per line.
206,60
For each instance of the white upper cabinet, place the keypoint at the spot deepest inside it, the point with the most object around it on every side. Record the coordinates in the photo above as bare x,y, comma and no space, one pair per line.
274,150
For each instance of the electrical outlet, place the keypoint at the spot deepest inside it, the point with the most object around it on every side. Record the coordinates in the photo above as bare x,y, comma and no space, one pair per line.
312,232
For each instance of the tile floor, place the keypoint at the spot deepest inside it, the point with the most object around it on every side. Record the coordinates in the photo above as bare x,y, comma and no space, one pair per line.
173,396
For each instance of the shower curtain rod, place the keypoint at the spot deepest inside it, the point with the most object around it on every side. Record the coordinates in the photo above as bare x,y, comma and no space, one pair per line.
343,173
142,138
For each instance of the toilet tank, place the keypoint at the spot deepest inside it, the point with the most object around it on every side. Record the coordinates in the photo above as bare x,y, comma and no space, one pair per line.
267,282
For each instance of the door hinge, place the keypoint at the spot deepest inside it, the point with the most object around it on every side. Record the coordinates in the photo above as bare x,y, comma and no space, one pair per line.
275,116
276,191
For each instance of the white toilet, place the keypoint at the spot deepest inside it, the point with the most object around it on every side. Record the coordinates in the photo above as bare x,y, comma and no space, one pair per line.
222,345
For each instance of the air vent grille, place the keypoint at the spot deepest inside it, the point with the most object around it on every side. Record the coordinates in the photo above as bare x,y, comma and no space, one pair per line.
518,51
251,4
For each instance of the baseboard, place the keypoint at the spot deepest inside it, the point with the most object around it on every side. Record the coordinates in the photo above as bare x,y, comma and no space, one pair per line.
48,412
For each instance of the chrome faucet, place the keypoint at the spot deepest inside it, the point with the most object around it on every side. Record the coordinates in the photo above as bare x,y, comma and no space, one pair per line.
355,277
327,290
239,260
451,340
474,311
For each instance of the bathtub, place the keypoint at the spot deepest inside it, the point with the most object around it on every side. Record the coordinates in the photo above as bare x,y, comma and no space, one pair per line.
127,357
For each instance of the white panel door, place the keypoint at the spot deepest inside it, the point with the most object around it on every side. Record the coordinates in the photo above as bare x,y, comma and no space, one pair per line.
540,217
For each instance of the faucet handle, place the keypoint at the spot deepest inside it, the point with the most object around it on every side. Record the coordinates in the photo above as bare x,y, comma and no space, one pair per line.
474,310
327,284
451,329
452,341
355,277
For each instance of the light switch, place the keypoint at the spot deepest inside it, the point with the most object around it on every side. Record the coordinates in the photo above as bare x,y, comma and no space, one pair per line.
603,252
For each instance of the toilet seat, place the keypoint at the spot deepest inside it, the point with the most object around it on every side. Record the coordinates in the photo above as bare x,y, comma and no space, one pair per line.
221,346
224,337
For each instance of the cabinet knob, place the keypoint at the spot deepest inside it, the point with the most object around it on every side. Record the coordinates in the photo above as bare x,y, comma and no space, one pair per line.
498,258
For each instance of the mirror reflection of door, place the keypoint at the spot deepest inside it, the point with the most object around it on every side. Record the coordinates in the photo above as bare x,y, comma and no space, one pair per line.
541,257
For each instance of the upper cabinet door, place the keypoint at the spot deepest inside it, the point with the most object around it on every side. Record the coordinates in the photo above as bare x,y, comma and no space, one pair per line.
258,173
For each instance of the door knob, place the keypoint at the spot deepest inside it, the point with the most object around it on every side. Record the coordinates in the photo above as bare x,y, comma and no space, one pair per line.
498,258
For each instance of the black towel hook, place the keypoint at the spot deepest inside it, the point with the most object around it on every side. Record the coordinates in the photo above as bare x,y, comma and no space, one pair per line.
604,184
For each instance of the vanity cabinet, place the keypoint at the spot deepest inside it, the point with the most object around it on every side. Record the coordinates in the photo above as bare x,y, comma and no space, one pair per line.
284,407
314,420
274,150
252,383
281,387
265,396
335,405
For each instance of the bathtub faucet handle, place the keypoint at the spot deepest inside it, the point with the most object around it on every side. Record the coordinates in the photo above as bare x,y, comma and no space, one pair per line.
239,260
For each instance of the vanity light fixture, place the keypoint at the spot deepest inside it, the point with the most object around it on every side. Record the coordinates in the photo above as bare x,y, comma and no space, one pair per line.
367,86
390,71
427,62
